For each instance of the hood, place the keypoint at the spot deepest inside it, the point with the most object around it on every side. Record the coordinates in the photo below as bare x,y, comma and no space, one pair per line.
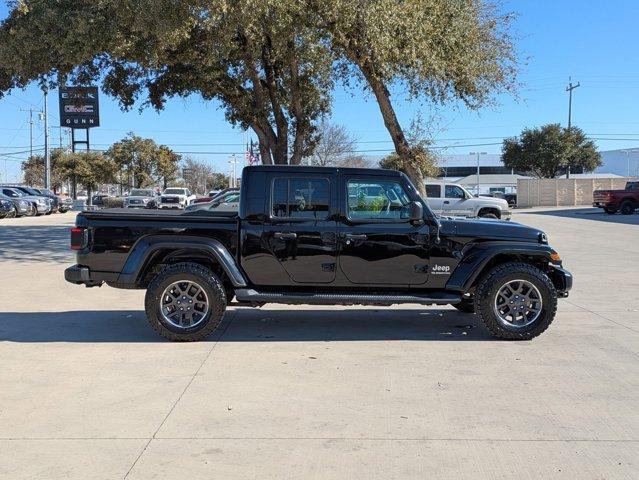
491,229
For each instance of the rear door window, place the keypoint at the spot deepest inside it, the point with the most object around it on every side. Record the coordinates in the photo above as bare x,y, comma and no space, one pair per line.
433,191
300,198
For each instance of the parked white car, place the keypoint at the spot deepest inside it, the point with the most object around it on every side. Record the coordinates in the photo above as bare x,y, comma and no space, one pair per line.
454,200
176,198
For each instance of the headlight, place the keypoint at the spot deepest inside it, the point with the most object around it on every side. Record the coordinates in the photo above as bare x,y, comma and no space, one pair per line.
24,203
145,200
41,201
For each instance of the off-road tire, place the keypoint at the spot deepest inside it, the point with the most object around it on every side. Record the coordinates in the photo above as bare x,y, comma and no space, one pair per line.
627,207
490,284
467,305
191,272
610,211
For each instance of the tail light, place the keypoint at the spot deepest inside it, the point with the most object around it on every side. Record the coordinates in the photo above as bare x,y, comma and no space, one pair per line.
79,238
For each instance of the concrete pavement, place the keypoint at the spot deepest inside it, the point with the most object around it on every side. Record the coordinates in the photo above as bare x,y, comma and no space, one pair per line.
88,390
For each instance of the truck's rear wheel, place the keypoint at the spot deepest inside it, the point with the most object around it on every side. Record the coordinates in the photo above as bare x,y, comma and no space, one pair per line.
185,302
627,207
516,301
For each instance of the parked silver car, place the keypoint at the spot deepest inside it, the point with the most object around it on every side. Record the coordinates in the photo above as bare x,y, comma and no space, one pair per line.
21,207
41,204
140,198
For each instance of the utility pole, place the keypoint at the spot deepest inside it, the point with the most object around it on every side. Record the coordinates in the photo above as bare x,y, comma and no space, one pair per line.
30,110
569,89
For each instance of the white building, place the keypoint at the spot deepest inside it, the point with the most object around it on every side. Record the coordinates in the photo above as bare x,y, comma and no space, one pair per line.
624,162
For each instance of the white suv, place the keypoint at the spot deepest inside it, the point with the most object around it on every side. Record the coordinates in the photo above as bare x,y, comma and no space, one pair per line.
454,200
176,198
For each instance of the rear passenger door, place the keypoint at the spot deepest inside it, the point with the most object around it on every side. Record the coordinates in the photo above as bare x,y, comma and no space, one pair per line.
301,229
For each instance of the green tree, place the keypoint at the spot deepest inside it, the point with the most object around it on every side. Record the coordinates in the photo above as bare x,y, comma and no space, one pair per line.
90,169
436,50
271,64
33,170
142,163
548,151
265,65
167,163
422,157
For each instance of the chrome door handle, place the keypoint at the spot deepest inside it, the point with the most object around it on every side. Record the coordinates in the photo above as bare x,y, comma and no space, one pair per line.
285,235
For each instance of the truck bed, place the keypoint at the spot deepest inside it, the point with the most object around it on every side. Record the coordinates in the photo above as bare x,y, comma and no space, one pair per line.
158,215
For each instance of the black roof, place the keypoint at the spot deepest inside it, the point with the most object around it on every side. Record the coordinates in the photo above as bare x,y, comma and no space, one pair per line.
314,169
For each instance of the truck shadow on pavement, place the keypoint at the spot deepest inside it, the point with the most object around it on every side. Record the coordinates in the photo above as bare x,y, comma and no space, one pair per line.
250,325
595,214
35,243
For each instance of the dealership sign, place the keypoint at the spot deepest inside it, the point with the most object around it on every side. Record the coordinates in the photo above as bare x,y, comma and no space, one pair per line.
79,107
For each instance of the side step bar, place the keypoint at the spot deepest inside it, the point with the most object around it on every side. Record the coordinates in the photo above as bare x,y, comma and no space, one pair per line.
253,296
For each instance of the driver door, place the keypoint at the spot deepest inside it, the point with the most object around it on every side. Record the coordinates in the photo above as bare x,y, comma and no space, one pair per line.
455,201
378,244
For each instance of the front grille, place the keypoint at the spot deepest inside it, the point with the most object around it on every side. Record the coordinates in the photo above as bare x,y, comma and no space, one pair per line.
170,200
135,202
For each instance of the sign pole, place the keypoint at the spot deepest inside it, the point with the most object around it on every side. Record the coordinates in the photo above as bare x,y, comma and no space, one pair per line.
47,156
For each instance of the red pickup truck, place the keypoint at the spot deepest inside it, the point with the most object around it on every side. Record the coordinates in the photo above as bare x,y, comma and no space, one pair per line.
613,201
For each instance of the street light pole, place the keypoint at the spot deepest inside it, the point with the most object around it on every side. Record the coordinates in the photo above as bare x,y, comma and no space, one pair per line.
478,174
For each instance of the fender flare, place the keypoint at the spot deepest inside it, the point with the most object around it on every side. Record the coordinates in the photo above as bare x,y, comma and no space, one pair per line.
146,247
476,258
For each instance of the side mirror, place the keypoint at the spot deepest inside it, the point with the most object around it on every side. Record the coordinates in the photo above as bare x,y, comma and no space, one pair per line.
416,212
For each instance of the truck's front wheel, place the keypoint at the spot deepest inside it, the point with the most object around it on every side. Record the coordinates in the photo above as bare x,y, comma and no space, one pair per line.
516,301
185,302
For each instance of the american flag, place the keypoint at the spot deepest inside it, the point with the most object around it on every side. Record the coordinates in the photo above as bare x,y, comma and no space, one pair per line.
252,157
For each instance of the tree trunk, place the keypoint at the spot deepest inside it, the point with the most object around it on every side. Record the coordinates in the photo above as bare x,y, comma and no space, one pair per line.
395,130
263,138
280,146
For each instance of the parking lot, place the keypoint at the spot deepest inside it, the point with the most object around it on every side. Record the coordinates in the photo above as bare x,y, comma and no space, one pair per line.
89,391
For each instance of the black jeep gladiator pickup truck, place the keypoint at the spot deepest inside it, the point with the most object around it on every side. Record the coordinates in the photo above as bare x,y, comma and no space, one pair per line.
322,236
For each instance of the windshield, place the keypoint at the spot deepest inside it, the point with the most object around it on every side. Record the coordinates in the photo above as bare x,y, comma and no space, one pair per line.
31,191
174,191
141,193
